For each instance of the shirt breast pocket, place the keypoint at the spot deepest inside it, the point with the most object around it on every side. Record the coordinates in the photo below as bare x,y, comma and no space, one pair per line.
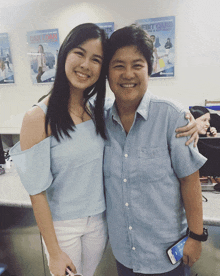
154,163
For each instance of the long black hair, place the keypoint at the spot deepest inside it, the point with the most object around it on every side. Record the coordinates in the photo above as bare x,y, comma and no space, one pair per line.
57,115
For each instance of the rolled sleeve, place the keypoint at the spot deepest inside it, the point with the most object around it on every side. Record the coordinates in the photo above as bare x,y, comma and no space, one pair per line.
33,166
185,159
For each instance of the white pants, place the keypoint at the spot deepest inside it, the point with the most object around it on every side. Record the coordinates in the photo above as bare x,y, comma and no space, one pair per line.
83,240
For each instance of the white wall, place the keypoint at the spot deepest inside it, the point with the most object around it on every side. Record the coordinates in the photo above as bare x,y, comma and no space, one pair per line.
197,67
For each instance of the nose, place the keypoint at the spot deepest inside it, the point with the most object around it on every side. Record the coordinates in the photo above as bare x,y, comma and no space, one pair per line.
128,73
85,63
208,124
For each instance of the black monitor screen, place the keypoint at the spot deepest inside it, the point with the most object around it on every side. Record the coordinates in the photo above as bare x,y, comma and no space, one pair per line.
210,148
2,158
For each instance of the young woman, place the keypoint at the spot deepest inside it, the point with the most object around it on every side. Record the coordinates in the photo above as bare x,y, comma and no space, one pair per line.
41,63
60,156
202,117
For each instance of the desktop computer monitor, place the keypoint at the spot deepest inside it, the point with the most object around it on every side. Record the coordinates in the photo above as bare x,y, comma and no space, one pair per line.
2,158
210,148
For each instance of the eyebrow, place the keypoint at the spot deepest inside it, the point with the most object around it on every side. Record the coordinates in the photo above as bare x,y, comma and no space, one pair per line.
98,56
121,61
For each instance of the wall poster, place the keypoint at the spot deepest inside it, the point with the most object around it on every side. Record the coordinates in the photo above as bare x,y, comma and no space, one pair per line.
107,26
43,47
162,33
6,65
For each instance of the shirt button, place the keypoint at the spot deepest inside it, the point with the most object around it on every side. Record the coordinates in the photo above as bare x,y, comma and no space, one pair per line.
125,180
130,227
133,248
126,155
126,204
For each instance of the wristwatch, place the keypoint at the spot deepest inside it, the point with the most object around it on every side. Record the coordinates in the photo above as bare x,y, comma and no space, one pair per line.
196,237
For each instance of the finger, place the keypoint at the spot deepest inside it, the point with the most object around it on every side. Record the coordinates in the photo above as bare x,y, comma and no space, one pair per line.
196,140
189,133
185,259
185,131
189,116
72,268
192,261
191,139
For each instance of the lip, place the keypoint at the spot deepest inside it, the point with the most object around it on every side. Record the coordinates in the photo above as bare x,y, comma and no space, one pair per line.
81,75
128,85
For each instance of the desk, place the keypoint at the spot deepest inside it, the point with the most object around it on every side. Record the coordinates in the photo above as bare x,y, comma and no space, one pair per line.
211,208
209,263
20,239
13,194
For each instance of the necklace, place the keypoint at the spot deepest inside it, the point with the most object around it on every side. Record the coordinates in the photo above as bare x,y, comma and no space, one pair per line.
81,116
77,115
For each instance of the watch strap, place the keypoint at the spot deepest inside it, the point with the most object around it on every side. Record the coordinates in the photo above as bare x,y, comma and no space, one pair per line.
196,237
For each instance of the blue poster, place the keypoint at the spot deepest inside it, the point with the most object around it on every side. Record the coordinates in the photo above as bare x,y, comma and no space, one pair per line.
162,32
43,47
6,65
107,26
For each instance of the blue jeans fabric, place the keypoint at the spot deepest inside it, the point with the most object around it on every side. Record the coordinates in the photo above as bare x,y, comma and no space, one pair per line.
181,270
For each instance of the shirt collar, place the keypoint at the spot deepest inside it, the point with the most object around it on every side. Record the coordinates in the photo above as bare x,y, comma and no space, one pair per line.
143,108
114,113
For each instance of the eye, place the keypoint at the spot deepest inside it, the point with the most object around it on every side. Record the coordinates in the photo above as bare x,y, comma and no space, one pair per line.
79,53
97,60
119,66
138,66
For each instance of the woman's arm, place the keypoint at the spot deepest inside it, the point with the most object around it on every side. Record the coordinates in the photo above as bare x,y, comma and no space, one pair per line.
33,132
58,260
190,129
192,199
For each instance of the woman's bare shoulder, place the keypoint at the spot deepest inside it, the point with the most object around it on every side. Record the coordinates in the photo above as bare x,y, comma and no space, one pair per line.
33,128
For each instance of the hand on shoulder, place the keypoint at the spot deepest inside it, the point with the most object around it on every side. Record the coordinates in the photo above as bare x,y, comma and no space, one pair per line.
189,130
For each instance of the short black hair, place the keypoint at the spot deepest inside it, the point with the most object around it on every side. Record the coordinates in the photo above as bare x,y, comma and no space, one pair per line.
198,111
132,35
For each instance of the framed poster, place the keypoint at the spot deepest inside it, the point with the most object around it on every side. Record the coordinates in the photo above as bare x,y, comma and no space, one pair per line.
162,33
43,47
107,26
6,65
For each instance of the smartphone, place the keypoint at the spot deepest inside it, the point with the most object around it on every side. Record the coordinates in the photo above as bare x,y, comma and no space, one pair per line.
175,251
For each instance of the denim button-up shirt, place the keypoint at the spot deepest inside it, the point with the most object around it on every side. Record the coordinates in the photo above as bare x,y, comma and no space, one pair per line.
145,210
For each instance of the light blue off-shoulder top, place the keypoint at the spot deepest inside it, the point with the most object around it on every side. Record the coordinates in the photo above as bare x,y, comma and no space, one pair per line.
69,171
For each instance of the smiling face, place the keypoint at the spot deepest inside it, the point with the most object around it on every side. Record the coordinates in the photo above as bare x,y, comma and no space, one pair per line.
83,65
128,75
203,123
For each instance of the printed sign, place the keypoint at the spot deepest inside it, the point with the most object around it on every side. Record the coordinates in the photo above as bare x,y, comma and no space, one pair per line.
6,65
162,32
108,27
43,47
